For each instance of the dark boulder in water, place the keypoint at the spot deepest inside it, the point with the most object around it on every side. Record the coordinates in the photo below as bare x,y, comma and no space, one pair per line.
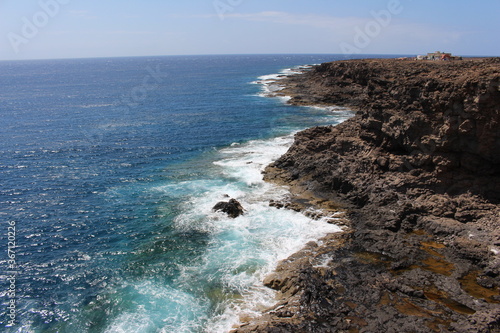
232,208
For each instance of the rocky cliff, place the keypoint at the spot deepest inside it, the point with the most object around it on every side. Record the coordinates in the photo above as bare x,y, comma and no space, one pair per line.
417,170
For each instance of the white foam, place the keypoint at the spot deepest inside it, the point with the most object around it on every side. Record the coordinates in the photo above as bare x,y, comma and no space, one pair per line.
271,87
270,77
270,83
284,99
331,108
244,250
131,322
246,162
88,106
324,262
150,302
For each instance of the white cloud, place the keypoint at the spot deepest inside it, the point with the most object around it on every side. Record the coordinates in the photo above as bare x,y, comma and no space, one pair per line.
311,20
396,36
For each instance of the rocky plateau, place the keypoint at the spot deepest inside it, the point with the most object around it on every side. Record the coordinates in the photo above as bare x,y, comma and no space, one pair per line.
417,173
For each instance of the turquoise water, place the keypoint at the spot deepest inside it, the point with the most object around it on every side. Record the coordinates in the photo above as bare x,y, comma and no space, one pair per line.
109,170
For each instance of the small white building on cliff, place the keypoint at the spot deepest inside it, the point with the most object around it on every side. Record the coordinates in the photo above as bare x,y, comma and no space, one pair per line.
438,55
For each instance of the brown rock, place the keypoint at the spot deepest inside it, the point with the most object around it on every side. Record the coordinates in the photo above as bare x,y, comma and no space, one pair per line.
418,167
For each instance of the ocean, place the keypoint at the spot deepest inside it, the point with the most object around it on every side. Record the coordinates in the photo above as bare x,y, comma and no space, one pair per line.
109,171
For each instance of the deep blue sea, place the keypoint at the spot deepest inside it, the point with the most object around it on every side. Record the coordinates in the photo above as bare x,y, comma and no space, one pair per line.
109,170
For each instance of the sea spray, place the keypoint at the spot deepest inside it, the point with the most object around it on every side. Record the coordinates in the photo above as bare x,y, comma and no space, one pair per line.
226,281
244,250
116,232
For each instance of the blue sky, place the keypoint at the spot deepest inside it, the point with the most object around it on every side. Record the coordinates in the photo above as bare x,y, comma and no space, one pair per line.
33,29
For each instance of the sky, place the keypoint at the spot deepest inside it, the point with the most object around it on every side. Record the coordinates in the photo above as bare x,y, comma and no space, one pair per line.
52,29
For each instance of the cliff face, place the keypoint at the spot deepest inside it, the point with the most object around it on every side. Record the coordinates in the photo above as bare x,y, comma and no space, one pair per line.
418,169
441,119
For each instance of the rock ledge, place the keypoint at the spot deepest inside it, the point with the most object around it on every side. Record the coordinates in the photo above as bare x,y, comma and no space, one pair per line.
418,171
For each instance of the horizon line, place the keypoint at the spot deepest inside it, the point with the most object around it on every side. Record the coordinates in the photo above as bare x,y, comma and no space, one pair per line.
234,54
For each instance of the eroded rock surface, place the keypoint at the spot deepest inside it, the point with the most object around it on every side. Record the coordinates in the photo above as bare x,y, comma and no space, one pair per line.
418,169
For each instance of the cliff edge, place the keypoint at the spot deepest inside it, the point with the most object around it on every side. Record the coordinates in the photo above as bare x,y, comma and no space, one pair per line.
417,169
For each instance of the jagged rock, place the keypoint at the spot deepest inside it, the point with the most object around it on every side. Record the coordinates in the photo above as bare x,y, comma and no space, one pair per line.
418,167
232,208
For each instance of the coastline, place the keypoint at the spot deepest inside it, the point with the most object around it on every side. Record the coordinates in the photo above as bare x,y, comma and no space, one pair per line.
415,170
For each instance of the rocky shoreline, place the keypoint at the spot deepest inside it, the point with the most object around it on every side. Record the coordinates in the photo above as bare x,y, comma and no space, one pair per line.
417,171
